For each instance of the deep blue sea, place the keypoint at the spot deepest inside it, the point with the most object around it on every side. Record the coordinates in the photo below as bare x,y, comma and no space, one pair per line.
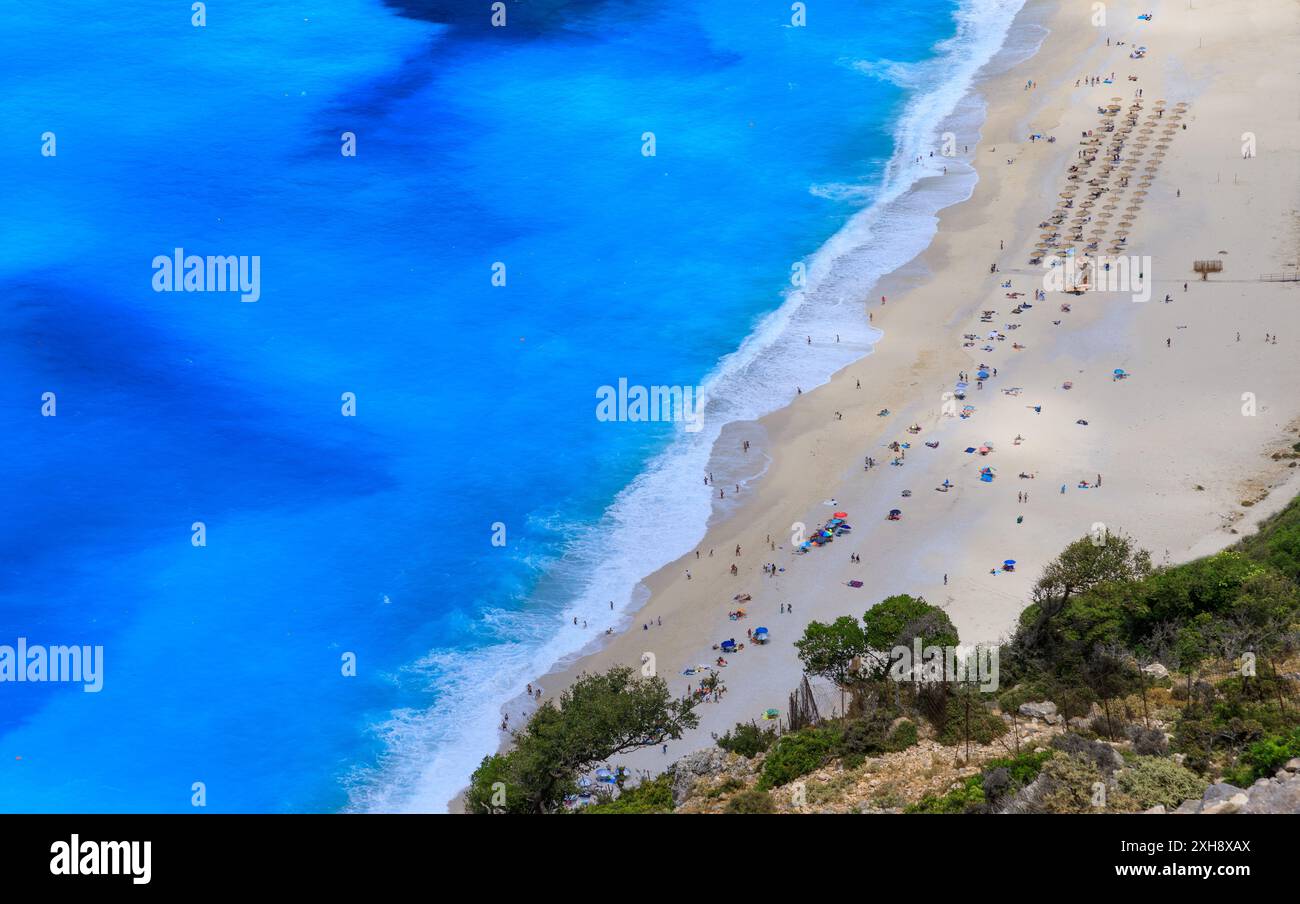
326,535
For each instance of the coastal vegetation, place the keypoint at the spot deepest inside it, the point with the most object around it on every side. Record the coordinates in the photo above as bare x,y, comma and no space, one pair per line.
1125,687
597,718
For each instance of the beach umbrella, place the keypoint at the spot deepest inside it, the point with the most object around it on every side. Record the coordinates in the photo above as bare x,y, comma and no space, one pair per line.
841,514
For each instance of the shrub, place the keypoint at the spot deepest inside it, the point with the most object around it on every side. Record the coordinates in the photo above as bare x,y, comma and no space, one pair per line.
1264,757
968,798
654,796
1154,780
1102,756
903,736
985,726
1022,769
863,737
1148,741
747,739
1071,783
751,801
794,755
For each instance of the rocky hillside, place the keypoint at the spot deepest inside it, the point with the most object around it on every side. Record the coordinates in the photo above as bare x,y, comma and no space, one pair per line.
1058,768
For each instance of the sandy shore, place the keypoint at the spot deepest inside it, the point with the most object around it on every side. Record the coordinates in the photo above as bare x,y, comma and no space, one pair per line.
1176,454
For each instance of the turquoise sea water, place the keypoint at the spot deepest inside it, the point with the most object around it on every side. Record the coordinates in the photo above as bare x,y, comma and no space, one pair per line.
327,535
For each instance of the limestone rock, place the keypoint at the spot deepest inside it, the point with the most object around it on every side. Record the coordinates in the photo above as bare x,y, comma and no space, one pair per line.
1042,710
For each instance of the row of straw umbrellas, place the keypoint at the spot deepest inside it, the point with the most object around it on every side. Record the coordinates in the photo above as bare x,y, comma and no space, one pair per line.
1122,143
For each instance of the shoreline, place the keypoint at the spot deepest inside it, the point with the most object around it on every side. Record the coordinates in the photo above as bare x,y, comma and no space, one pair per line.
934,300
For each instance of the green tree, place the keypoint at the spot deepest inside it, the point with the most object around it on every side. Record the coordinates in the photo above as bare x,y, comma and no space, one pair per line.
829,650
899,620
598,717
1192,647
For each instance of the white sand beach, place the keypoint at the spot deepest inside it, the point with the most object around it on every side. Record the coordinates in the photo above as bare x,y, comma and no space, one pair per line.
1180,444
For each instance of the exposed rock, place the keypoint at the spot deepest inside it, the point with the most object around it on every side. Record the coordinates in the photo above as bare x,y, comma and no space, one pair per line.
1219,791
1156,670
1158,808
694,766
1276,797
1233,804
1043,710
